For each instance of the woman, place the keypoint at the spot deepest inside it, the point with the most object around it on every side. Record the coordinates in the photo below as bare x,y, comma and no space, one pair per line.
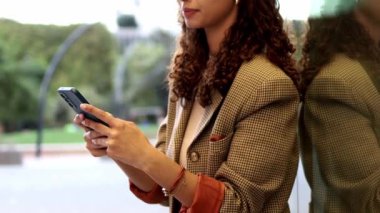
228,143
341,125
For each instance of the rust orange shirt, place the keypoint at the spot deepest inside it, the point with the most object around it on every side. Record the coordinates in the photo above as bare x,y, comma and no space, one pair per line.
208,197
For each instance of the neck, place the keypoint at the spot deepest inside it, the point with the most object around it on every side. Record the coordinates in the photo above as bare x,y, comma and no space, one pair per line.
216,34
371,26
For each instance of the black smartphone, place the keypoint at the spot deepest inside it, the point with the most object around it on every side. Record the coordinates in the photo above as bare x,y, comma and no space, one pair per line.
74,98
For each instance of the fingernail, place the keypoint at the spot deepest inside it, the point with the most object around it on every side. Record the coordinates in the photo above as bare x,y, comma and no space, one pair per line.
94,142
84,106
84,122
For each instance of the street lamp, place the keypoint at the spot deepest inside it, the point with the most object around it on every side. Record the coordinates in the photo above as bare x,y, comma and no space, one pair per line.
57,58
127,34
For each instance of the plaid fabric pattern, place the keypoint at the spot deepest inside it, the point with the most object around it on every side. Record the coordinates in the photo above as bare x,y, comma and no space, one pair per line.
246,140
340,139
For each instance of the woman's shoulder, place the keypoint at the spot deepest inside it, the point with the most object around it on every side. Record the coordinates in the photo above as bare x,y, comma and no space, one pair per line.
344,80
260,82
260,70
343,70
343,67
261,67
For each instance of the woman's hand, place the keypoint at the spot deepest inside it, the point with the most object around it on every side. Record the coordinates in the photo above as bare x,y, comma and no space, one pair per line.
95,142
125,141
78,121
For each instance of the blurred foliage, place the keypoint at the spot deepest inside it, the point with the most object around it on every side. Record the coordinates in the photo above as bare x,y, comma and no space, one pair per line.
146,70
296,30
89,65
140,90
25,54
332,7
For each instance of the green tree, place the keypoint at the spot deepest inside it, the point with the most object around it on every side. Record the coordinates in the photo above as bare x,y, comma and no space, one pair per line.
332,7
25,54
147,68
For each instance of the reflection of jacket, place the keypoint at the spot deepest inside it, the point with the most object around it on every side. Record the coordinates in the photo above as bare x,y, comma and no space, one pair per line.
246,140
340,146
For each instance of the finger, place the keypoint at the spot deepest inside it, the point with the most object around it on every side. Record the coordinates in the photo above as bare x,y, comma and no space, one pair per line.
85,128
91,135
94,135
91,145
78,121
95,138
101,114
102,142
96,151
98,127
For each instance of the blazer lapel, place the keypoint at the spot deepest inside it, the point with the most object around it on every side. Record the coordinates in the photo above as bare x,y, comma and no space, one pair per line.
182,118
179,129
209,112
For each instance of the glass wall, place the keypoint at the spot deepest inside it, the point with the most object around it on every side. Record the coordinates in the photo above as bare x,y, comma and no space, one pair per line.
339,122
338,56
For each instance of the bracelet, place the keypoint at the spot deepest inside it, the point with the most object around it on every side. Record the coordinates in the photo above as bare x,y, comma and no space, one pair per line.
180,176
180,185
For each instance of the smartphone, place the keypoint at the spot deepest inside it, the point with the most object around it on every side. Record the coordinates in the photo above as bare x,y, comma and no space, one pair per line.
74,99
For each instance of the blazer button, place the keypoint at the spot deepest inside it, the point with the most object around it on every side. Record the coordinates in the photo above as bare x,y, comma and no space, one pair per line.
194,156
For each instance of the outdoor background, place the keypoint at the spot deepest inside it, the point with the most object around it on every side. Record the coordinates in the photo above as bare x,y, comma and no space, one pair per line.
119,63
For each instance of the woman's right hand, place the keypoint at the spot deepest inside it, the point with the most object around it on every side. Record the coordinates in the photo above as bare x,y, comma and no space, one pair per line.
96,149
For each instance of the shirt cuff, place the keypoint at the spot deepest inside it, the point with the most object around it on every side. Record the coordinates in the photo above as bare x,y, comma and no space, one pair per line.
154,196
209,196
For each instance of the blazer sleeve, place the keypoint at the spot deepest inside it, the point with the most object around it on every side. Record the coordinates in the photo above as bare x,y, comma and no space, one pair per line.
262,161
338,125
161,136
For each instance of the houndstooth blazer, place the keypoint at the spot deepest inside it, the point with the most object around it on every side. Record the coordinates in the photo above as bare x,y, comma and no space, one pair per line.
247,139
340,139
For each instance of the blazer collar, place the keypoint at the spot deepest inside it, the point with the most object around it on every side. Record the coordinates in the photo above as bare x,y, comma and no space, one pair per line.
184,115
208,114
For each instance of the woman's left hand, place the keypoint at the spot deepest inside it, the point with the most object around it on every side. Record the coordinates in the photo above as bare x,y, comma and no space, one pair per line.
125,141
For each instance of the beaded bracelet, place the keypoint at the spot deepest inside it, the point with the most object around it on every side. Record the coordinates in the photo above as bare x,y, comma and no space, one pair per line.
174,186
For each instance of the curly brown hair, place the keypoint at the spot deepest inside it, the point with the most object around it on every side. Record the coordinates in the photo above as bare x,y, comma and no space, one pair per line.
339,34
257,30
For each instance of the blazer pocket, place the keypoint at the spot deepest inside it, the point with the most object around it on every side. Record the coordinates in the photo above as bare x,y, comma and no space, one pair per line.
220,143
218,152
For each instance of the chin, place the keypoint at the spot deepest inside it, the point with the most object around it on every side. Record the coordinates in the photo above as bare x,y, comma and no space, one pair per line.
192,25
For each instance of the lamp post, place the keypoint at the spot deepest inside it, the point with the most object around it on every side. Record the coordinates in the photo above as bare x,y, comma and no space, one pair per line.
127,34
57,58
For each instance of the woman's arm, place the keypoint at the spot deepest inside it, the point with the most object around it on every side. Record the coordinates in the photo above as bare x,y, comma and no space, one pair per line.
150,166
128,146
96,145
261,163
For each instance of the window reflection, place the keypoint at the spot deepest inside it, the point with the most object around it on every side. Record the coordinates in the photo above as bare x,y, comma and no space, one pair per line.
340,121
